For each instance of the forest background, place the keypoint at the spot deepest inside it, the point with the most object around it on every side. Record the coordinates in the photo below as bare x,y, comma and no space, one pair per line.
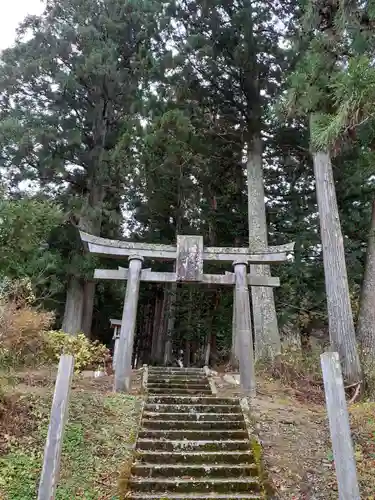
136,118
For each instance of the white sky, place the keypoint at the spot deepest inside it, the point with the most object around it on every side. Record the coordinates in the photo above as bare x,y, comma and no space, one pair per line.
12,13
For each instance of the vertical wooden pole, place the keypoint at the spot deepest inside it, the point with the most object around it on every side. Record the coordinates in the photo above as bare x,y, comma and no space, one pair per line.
243,329
339,426
59,414
129,316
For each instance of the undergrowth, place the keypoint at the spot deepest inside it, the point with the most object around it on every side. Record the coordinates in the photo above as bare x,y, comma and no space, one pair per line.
27,341
98,440
362,423
299,371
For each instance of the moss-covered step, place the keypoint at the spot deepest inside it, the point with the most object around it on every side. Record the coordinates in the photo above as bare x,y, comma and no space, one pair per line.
196,485
187,408
192,444
183,392
195,470
199,425
194,496
179,445
172,399
197,417
193,435
195,457
178,379
174,371
171,386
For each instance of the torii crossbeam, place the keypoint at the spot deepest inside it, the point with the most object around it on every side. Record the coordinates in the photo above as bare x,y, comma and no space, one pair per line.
189,254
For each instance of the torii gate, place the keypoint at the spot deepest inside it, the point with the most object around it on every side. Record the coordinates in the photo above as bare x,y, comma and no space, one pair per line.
189,255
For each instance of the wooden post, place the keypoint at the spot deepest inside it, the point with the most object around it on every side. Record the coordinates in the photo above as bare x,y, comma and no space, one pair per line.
59,414
243,329
339,426
129,316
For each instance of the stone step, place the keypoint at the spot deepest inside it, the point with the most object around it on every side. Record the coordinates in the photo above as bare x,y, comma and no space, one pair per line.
180,445
173,370
194,435
172,386
193,417
195,457
193,470
179,379
182,392
193,424
195,496
198,485
187,408
192,400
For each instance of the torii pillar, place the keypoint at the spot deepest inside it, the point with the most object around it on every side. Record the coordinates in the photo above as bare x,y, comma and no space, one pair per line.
129,314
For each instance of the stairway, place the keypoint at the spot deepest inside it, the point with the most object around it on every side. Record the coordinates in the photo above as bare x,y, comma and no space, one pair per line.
191,445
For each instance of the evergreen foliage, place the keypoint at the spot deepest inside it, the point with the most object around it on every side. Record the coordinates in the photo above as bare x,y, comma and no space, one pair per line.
134,117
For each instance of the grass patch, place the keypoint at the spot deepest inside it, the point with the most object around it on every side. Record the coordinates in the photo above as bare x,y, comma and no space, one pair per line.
362,422
98,441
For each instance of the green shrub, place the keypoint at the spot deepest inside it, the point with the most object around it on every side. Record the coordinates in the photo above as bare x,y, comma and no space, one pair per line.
26,340
88,355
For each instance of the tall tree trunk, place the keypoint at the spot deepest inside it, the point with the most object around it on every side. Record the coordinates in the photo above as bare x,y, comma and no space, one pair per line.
88,306
156,325
72,322
266,331
189,332
366,318
91,217
187,353
159,355
171,319
340,318
207,352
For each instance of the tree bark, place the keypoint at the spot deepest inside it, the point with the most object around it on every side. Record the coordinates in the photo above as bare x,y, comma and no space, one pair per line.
187,352
72,321
156,325
159,354
88,307
267,337
171,318
366,318
340,318
207,351
90,219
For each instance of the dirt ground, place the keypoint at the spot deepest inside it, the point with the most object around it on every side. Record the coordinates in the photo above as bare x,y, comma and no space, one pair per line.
295,440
